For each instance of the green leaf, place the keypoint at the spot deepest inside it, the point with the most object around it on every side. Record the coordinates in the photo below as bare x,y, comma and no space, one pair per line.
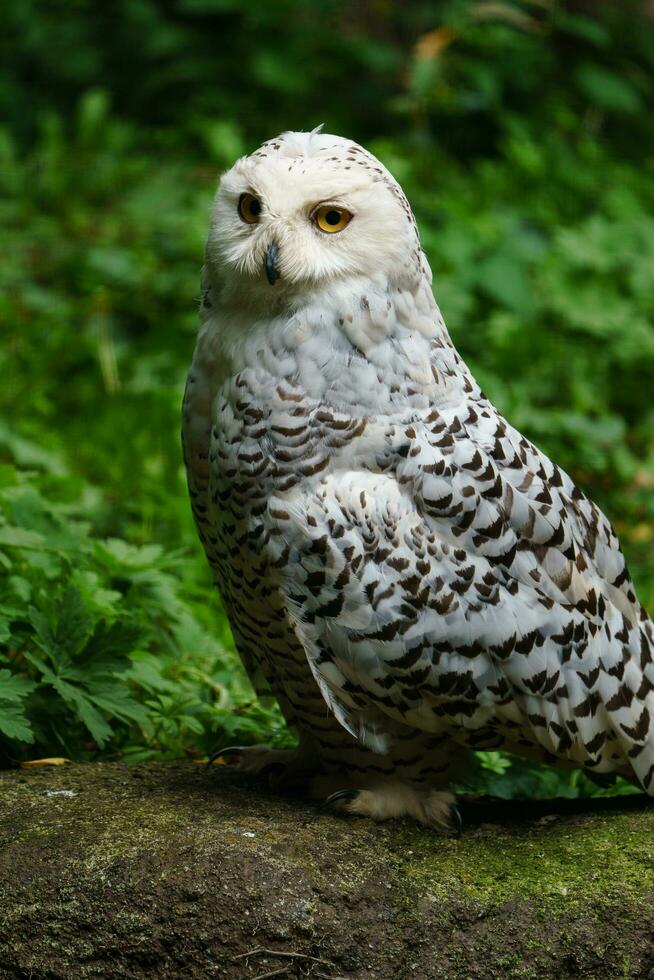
90,716
18,537
147,671
63,626
588,28
13,720
608,90
92,115
503,278
27,453
110,644
13,687
14,723
123,556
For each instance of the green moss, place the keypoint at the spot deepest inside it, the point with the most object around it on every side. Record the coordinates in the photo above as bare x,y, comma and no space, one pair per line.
563,862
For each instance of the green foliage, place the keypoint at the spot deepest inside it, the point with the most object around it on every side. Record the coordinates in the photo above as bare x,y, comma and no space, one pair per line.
104,642
507,777
521,135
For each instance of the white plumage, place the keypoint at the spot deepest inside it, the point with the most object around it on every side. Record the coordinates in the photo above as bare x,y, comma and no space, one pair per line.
406,572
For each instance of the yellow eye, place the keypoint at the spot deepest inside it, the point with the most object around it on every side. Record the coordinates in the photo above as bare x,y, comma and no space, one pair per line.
330,218
249,208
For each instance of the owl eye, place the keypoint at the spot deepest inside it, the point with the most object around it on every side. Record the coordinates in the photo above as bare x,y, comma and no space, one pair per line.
330,218
249,208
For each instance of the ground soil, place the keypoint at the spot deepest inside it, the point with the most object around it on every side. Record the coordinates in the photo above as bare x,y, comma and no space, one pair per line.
175,871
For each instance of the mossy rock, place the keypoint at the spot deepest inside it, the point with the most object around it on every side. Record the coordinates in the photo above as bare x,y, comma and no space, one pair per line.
171,870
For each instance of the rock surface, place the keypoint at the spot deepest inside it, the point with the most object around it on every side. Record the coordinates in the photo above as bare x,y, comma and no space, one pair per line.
174,871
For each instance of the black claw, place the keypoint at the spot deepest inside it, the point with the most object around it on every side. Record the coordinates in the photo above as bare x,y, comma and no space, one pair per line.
341,794
457,822
230,750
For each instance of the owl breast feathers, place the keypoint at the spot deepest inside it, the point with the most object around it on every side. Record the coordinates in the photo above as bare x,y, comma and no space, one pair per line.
407,574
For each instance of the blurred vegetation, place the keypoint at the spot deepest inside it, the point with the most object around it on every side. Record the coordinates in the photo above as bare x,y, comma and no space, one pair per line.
523,135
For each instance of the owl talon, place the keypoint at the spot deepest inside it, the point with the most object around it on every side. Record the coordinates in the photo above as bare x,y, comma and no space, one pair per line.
233,750
281,769
457,820
341,794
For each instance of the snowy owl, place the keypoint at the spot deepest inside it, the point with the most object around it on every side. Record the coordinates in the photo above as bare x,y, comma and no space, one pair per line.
405,572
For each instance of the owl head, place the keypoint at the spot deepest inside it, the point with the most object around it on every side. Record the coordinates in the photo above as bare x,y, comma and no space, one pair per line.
306,210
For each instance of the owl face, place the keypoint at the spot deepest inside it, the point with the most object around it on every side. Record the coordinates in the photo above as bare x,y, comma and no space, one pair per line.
304,210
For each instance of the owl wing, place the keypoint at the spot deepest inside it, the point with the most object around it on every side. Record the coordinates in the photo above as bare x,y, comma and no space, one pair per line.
197,422
197,412
452,594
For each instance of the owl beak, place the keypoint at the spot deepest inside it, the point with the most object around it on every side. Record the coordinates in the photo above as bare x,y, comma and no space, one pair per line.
270,263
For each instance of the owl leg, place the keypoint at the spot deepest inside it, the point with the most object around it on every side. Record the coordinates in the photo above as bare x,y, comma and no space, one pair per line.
283,768
391,798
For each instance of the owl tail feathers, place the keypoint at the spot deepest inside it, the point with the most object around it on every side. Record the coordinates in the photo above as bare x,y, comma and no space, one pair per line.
367,729
638,746
643,768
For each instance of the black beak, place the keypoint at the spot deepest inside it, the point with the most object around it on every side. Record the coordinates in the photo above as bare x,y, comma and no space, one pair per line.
271,263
